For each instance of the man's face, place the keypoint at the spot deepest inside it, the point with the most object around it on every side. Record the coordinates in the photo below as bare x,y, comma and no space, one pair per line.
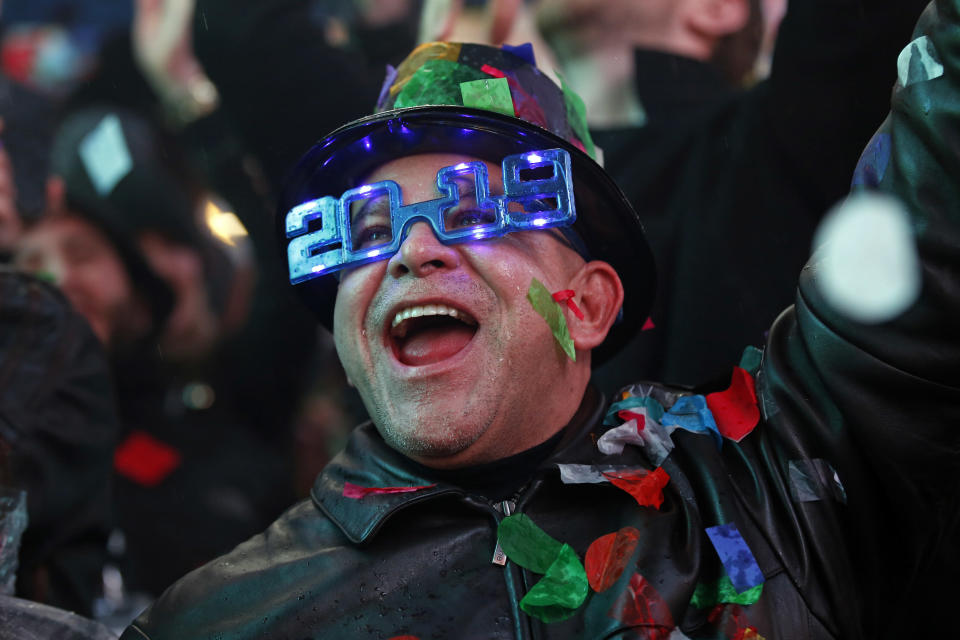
476,376
87,268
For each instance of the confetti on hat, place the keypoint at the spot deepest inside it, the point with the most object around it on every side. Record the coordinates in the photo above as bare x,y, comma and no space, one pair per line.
737,559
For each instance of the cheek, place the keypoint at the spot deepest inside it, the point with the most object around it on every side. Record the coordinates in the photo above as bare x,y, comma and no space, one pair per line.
354,295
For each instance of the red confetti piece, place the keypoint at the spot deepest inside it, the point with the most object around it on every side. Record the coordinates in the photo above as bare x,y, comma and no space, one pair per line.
567,296
627,415
144,459
640,605
735,410
732,620
648,324
404,638
645,487
607,557
493,71
357,492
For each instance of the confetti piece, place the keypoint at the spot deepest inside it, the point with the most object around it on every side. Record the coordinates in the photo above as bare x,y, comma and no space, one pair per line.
524,51
577,116
436,82
722,591
653,439
404,638
813,480
357,492
750,633
493,71
491,94
544,304
640,605
918,62
735,410
691,413
732,622
388,81
873,162
144,459
750,359
664,396
653,409
560,592
105,155
736,556
588,473
648,324
608,556
646,487
526,544
567,296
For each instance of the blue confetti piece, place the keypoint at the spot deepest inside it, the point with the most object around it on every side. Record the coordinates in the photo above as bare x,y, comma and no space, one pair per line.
691,413
737,559
873,162
524,50
654,409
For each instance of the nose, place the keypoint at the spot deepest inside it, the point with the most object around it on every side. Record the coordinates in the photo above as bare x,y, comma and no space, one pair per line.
421,253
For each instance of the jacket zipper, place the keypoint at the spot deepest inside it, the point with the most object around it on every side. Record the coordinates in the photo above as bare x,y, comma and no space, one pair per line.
506,507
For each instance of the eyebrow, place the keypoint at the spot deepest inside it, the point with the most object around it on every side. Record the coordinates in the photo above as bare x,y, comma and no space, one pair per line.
379,201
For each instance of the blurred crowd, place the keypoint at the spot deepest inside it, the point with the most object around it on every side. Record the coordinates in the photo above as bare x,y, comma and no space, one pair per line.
164,395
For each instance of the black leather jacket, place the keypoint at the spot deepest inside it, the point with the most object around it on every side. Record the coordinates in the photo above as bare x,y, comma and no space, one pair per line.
880,403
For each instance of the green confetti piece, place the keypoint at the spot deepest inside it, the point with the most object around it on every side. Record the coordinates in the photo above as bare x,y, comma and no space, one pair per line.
750,360
46,276
561,591
436,82
491,94
577,115
526,544
723,591
551,311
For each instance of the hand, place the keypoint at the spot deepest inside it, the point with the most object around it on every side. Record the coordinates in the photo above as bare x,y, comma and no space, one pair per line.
10,223
163,47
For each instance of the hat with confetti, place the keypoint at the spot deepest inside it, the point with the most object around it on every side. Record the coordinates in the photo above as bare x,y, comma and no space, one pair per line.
485,102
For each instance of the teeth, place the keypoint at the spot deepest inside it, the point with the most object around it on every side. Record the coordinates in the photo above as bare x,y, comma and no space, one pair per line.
425,310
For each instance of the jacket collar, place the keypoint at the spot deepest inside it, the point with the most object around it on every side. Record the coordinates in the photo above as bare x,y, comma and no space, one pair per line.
368,461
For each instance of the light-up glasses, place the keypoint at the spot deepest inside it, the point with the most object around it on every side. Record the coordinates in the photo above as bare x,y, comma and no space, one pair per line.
369,222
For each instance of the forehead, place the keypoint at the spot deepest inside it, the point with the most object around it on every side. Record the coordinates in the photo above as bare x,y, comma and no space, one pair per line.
417,174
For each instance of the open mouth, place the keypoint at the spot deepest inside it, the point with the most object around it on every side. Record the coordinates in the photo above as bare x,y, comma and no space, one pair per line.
429,333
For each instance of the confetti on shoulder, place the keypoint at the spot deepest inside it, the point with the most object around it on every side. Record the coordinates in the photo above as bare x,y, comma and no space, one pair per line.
357,492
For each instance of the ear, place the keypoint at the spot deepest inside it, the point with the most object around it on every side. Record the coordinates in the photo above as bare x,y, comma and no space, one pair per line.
715,19
599,294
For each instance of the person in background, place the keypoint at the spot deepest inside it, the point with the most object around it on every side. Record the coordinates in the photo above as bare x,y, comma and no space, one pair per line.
58,430
750,168
123,238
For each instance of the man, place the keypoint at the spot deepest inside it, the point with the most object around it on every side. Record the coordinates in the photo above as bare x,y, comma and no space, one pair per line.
490,472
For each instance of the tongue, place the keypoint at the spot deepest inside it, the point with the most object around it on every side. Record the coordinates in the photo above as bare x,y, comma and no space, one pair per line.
434,344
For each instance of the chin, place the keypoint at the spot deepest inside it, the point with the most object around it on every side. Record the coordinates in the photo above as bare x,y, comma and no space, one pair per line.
434,438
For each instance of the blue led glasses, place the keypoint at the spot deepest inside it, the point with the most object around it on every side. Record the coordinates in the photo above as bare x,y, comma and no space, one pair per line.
369,223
